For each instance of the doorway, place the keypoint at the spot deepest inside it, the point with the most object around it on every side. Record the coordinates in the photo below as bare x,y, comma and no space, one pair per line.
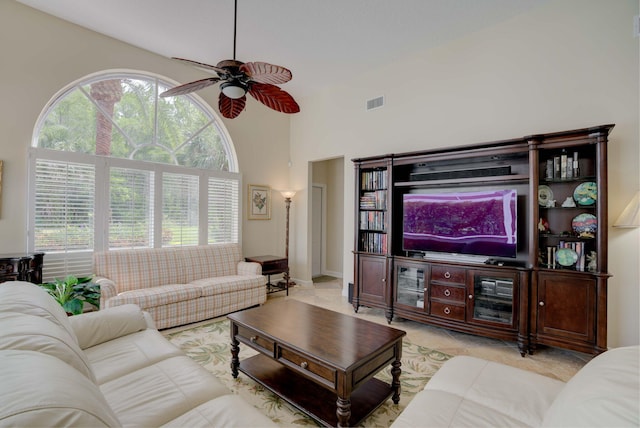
327,217
318,229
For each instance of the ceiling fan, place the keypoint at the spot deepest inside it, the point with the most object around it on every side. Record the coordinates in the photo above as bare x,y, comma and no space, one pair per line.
237,78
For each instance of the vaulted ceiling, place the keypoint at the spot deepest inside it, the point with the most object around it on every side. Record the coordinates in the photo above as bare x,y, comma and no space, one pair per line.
323,42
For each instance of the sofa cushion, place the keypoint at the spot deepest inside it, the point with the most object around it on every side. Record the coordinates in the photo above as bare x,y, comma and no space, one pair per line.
155,395
206,261
144,268
126,354
156,296
33,333
604,393
227,284
468,391
39,390
227,411
28,298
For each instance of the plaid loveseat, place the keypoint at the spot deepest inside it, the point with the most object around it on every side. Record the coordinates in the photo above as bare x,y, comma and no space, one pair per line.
180,285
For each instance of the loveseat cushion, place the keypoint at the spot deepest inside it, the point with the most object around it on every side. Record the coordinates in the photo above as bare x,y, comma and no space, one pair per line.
227,411
604,393
155,395
28,298
39,390
33,333
156,296
206,261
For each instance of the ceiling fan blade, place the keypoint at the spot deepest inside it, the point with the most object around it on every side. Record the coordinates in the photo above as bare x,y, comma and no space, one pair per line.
274,97
190,87
263,72
206,67
231,107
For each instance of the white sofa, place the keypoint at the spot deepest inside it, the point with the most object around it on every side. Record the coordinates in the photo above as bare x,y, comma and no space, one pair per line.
104,368
471,392
182,285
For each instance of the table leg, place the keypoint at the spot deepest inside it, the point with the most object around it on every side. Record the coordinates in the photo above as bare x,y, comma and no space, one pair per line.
395,383
343,411
235,350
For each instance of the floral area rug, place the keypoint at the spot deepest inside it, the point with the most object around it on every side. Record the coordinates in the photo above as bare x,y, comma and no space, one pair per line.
210,345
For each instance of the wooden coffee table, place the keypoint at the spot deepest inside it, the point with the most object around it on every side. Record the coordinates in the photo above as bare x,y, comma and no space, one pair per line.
320,361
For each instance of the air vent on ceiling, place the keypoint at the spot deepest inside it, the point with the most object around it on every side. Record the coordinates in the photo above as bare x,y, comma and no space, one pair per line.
375,103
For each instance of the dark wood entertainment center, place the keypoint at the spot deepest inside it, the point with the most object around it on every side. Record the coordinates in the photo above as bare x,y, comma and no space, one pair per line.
554,292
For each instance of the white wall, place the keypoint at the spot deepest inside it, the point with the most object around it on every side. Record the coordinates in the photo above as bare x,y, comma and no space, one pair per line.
42,54
566,64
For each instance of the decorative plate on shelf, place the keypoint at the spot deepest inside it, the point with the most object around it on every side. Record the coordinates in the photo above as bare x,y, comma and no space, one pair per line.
545,194
586,193
585,225
566,257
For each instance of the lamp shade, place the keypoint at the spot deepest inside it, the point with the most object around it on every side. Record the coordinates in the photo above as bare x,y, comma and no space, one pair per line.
630,217
233,90
288,193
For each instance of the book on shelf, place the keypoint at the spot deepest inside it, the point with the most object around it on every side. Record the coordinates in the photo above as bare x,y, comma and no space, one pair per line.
372,180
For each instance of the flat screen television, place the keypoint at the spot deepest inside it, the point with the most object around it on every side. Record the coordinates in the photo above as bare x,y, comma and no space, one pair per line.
482,223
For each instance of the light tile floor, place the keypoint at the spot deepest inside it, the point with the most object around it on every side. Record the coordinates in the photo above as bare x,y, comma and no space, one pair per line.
553,362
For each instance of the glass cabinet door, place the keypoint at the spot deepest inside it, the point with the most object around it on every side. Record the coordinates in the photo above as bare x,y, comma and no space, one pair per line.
410,286
493,299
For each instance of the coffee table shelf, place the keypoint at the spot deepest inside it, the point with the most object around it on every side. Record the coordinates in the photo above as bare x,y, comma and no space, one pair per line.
310,398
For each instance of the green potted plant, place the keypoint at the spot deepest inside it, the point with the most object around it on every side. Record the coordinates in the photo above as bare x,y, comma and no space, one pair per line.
72,293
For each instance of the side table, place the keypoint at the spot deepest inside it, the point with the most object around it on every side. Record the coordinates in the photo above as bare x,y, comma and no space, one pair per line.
272,265
21,267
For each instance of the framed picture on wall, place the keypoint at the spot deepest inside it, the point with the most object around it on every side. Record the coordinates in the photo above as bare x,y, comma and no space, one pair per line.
259,206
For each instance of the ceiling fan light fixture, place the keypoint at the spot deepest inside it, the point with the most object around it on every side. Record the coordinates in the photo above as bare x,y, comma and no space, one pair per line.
233,90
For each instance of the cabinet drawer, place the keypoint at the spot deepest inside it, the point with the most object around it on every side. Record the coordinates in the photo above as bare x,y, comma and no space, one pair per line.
307,366
446,310
448,274
256,341
448,292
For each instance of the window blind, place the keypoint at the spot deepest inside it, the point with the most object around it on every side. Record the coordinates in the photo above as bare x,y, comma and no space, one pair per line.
131,201
180,201
223,200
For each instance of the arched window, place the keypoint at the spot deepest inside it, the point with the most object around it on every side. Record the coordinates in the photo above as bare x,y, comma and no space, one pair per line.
114,166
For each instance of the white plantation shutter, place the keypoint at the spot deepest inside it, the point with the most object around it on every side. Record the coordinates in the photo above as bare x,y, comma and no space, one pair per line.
131,203
180,202
223,215
63,201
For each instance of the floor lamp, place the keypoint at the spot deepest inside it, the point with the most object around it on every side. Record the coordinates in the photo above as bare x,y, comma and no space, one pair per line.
288,195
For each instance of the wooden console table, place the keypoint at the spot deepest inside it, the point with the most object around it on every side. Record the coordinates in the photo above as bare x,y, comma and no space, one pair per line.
272,265
21,267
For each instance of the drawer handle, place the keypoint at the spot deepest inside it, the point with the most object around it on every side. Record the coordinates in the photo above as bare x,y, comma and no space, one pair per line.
254,339
447,292
447,310
304,365
447,275
541,303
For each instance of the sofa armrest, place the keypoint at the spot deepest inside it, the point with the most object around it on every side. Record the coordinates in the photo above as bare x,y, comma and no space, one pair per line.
108,289
93,328
249,268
